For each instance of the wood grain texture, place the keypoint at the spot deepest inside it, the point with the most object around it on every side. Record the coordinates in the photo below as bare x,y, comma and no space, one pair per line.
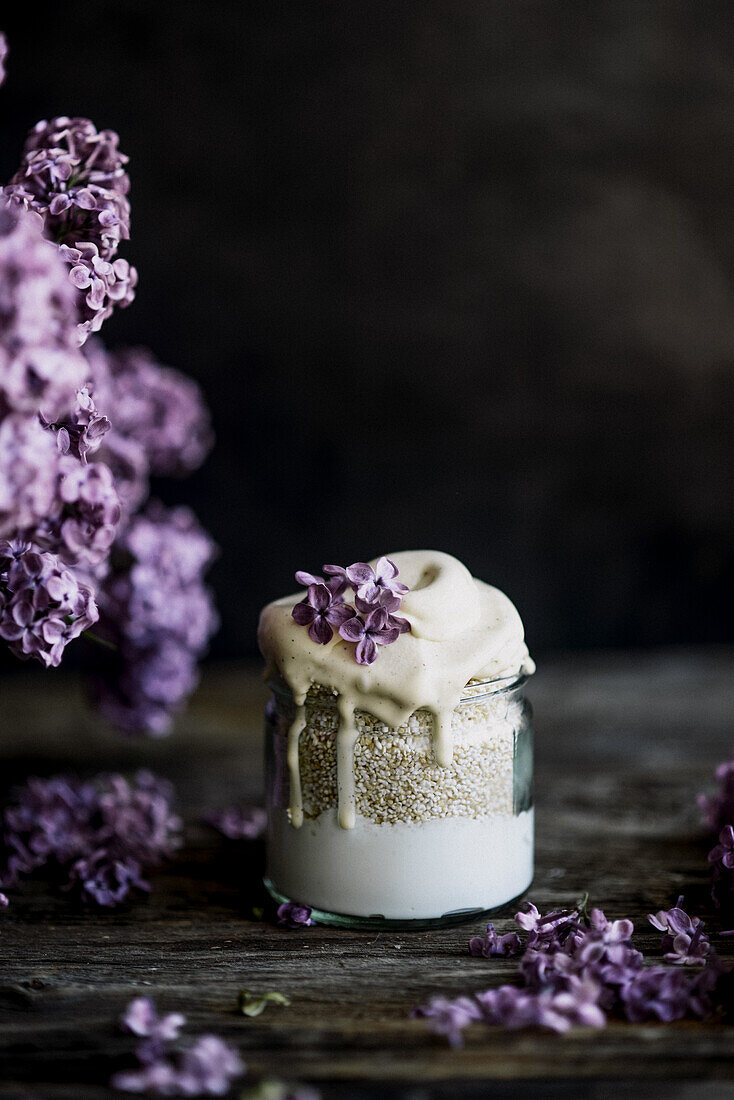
624,743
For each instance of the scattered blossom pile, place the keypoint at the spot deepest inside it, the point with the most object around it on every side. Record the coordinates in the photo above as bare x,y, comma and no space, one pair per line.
205,1068
82,430
576,968
96,837
369,622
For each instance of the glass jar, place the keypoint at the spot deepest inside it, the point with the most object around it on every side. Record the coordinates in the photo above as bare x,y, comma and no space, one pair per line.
431,844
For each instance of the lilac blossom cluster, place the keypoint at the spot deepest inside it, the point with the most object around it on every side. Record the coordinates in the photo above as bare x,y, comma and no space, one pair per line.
55,511
205,1068
576,968
42,607
369,622
717,812
157,615
75,179
40,365
98,836
71,479
162,426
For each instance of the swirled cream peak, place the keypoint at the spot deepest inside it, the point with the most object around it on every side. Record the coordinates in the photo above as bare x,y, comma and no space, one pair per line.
461,629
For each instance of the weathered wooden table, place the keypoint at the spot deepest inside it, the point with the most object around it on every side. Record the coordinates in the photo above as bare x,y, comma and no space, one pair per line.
624,743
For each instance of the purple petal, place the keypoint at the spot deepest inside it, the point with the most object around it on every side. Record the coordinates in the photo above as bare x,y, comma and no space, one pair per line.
307,579
80,277
366,651
58,204
402,625
353,629
385,569
367,604
360,573
303,613
386,636
376,620
85,199
319,596
320,631
336,571
339,613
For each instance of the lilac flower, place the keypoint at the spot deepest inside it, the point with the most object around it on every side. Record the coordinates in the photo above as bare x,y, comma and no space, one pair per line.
4,903
387,603
292,915
717,811
371,584
493,944
75,179
684,941
449,1017
663,994
156,610
42,607
368,633
53,500
238,822
103,284
619,963
206,1068
209,1067
127,461
81,431
577,1004
83,530
40,367
319,611
723,852
159,408
721,857
30,469
106,881
135,819
158,1078
141,1018
611,932
3,56
718,815
102,834
336,585
550,929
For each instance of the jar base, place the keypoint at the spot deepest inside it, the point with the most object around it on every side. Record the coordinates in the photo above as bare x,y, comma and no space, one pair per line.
383,924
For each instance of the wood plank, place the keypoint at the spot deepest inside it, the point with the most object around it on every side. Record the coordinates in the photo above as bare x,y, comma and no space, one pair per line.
624,744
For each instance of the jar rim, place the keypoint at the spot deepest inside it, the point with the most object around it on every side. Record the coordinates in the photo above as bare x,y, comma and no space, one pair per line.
475,689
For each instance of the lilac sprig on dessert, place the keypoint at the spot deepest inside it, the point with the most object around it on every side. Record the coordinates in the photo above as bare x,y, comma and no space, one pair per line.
369,622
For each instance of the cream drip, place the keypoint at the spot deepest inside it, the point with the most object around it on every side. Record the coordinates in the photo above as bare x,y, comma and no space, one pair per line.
461,629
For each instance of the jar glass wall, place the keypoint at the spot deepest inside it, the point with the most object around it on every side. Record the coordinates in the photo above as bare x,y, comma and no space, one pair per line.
431,844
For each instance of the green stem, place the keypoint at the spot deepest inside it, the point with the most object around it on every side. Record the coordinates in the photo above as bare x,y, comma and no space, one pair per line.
99,641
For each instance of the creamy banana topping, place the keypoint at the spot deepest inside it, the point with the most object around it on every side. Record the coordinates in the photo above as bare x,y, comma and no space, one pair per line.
461,629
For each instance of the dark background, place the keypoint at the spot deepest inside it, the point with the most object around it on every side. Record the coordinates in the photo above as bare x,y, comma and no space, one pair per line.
452,274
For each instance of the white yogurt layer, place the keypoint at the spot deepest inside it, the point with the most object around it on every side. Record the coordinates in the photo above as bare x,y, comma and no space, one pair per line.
404,871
